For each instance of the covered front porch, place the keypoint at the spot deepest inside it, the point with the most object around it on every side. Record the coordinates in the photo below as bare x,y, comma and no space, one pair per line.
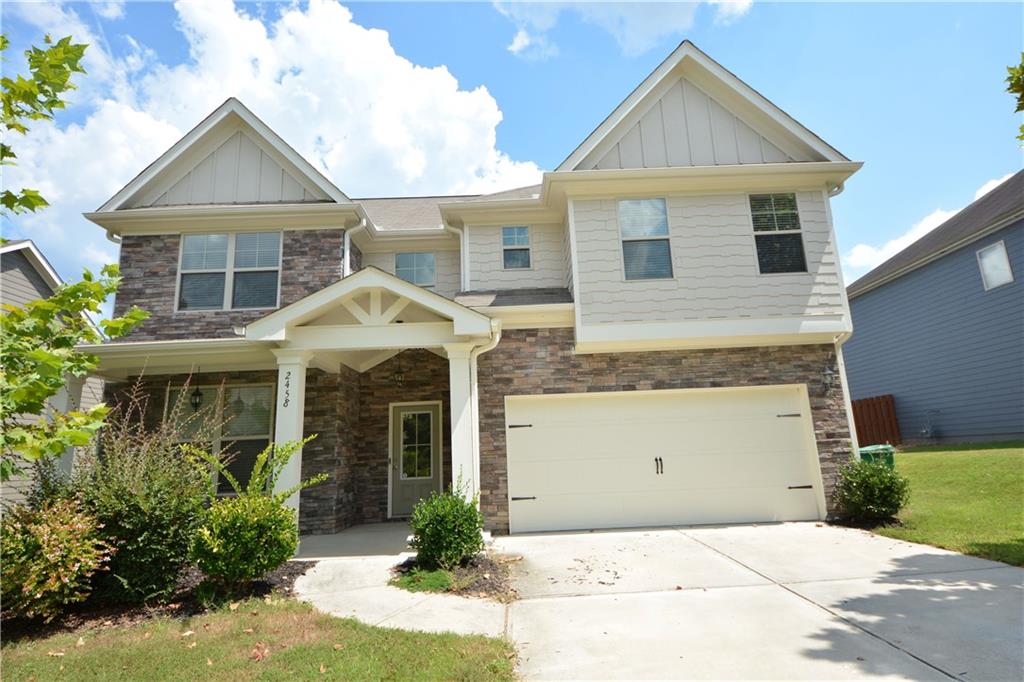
382,371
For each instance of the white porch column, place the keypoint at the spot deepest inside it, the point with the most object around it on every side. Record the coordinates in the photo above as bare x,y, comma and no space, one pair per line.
289,413
464,468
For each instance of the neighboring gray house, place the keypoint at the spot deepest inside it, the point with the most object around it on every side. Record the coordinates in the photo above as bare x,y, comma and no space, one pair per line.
27,276
940,326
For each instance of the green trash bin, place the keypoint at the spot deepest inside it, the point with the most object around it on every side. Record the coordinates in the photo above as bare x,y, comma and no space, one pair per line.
879,453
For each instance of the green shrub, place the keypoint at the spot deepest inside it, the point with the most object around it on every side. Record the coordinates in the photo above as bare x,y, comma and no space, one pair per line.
447,529
47,558
243,538
148,496
870,492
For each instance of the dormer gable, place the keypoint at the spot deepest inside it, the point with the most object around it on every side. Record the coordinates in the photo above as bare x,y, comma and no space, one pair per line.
691,111
230,158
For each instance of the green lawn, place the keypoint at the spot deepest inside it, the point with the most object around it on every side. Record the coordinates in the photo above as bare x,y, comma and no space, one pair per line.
283,640
967,498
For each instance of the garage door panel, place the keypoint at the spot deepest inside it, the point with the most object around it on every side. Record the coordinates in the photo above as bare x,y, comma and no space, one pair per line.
588,460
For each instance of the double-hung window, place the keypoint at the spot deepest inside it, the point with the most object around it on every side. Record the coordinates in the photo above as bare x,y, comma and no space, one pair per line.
780,246
418,268
643,225
995,266
515,248
244,414
229,271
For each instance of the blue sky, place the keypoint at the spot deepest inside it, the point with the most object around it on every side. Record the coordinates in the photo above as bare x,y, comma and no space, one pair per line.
478,97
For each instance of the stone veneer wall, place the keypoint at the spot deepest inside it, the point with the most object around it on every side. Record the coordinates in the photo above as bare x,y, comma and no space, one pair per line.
535,361
426,379
310,261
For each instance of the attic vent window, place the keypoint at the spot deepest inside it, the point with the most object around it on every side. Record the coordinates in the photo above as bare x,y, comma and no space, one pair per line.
780,246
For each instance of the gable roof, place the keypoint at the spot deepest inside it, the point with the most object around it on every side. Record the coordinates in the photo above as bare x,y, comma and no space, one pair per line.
36,259
771,122
988,213
206,138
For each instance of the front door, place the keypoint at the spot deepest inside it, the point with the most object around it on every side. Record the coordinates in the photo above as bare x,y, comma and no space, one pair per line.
415,454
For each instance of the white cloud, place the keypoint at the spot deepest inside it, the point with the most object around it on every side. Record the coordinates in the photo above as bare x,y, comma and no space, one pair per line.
728,11
109,10
636,26
863,257
991,185
374,122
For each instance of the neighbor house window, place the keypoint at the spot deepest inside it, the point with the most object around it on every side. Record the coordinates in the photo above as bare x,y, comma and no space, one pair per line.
244,422
515,248
995,266
229,271
643,225
780,246
418,268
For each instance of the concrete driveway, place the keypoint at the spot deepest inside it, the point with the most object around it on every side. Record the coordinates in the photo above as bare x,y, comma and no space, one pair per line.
787,601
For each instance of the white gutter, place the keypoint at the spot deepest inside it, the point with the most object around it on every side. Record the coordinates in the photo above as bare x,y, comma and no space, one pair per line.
463,255
475,394
347,264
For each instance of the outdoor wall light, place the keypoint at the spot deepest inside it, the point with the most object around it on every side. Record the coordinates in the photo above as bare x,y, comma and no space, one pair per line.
195,398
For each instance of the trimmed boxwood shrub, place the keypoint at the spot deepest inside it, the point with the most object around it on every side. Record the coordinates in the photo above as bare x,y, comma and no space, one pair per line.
244,537
47,557
447,529
871,492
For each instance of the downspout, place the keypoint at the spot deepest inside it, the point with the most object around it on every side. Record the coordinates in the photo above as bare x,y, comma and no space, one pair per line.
475,395
113,237
837,190
854,443
347,264
463,256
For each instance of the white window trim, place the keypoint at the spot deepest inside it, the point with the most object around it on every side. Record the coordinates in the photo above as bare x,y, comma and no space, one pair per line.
229,271
667,237
528,247
754,233
984,280
219,441
433,284
401,473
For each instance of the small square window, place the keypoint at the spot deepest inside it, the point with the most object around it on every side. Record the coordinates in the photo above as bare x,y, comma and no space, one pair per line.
418,268
994,263
515,251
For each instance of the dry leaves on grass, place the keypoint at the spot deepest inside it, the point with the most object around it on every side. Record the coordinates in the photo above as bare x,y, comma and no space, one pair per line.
260,651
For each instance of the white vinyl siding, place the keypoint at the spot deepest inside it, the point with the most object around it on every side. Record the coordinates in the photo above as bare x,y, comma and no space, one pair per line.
715,261
646,251
995,266
229,271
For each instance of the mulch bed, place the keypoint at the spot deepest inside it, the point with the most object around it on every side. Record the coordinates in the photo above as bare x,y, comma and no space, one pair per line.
486,576
182,605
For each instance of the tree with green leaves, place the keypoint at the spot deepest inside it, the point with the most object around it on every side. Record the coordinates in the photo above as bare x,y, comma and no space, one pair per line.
39,342
1015,86
35,98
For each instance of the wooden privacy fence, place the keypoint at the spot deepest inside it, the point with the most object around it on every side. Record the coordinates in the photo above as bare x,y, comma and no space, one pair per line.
875,421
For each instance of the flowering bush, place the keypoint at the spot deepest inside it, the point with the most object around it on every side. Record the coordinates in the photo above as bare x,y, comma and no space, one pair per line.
48,557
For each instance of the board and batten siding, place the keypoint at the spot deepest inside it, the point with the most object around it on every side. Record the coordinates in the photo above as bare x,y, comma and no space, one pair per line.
685,127
239,171
947,350
447,273
714,264
547,259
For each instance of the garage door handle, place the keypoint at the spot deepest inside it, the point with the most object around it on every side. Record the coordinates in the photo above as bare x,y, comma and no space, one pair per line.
520,426
659,466
517,499
800,487
794,414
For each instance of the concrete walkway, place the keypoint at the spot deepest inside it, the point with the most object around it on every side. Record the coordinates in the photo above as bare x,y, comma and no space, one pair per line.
786,601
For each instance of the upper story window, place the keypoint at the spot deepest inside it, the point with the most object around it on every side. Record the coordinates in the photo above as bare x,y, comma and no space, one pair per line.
995,266
515,248
780,246
229,271
643,225
418,268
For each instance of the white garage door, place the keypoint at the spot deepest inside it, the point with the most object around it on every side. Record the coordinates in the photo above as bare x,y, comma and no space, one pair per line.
611,460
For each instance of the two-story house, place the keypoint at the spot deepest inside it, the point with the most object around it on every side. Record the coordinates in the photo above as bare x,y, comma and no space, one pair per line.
650,336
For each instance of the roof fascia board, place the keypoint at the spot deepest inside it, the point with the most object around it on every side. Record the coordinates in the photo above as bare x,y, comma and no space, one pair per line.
229,107
853,292
162,220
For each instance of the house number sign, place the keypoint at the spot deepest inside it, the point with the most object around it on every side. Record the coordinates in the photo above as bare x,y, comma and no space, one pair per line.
287,397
